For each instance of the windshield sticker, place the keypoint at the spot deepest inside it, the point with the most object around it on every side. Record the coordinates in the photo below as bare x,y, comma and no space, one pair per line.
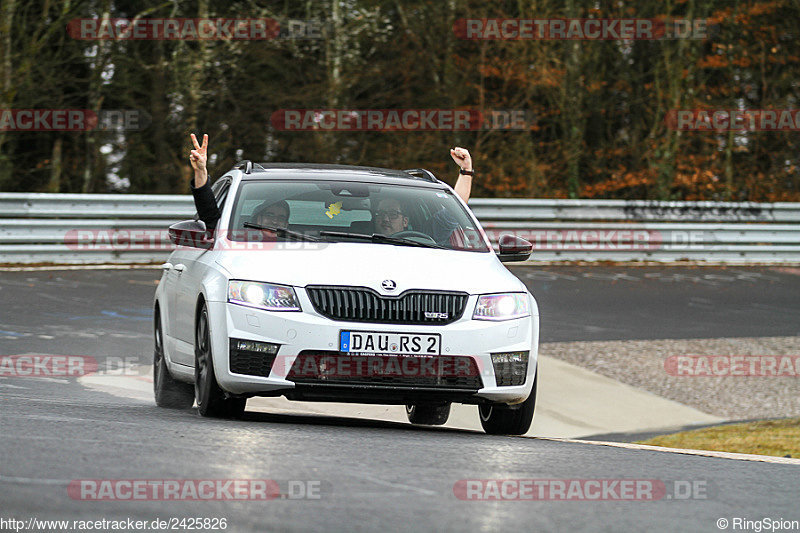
334,209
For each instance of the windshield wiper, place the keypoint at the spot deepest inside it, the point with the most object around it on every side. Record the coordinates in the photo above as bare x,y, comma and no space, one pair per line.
382,239
283,232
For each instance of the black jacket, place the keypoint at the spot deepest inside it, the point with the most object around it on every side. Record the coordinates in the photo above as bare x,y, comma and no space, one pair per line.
206,204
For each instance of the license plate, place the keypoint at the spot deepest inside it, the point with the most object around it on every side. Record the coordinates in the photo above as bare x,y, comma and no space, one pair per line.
389,343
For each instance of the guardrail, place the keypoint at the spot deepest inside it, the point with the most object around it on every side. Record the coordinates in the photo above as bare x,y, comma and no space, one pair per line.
46,228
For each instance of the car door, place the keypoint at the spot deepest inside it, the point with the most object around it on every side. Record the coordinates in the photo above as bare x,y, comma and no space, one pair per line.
189,272
171,294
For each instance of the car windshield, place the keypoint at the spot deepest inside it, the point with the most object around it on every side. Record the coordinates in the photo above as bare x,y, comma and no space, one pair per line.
342,211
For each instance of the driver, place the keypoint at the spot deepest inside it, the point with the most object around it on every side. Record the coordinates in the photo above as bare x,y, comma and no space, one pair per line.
390,217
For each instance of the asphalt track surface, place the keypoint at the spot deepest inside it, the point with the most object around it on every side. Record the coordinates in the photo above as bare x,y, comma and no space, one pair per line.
370,475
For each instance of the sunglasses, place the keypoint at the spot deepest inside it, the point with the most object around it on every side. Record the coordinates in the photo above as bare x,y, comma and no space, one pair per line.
391,214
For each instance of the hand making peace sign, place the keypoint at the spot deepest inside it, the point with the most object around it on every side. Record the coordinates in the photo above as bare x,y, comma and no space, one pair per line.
198,158
199,155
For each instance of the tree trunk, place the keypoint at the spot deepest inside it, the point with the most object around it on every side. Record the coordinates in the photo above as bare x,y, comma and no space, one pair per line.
572,110
95,103
7,9
55,167
196,80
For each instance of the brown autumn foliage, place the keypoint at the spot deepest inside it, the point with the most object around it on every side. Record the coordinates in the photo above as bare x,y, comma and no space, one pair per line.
596,109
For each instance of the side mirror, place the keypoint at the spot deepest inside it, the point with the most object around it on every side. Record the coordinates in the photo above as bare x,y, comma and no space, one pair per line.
191,233
513,248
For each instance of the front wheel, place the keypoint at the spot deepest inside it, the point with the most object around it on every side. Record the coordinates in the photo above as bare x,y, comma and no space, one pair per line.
505,420
428,414
168,391
211,399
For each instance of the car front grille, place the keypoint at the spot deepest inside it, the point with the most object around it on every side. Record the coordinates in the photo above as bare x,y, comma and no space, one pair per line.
362,304
330,367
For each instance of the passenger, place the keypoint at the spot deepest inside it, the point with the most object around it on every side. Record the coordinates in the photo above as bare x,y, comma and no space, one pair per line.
204,200
272,214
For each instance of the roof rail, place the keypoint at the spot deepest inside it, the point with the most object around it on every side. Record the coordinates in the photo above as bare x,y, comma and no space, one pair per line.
422,173
245,165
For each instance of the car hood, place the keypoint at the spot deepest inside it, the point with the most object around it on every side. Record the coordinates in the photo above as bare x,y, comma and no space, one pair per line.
368,265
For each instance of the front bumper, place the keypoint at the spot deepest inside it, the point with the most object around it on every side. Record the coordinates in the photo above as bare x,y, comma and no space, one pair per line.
297,332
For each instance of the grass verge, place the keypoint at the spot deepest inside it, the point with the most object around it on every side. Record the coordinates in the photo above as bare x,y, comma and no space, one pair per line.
766,437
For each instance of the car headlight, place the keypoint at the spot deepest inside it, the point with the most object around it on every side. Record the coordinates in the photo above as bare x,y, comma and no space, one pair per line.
263,295
502,306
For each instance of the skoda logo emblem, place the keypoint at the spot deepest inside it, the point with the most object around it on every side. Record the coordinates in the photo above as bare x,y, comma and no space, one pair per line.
388,285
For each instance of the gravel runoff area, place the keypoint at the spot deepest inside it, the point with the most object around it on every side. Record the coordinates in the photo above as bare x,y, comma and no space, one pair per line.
645,364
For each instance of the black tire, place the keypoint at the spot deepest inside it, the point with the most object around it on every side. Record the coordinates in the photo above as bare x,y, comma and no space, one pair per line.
504,420
169,392
430,414
211,399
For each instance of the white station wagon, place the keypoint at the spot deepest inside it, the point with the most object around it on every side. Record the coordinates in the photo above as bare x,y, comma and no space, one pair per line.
329,306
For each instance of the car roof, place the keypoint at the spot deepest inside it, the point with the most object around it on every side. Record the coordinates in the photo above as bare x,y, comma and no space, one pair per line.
317,171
